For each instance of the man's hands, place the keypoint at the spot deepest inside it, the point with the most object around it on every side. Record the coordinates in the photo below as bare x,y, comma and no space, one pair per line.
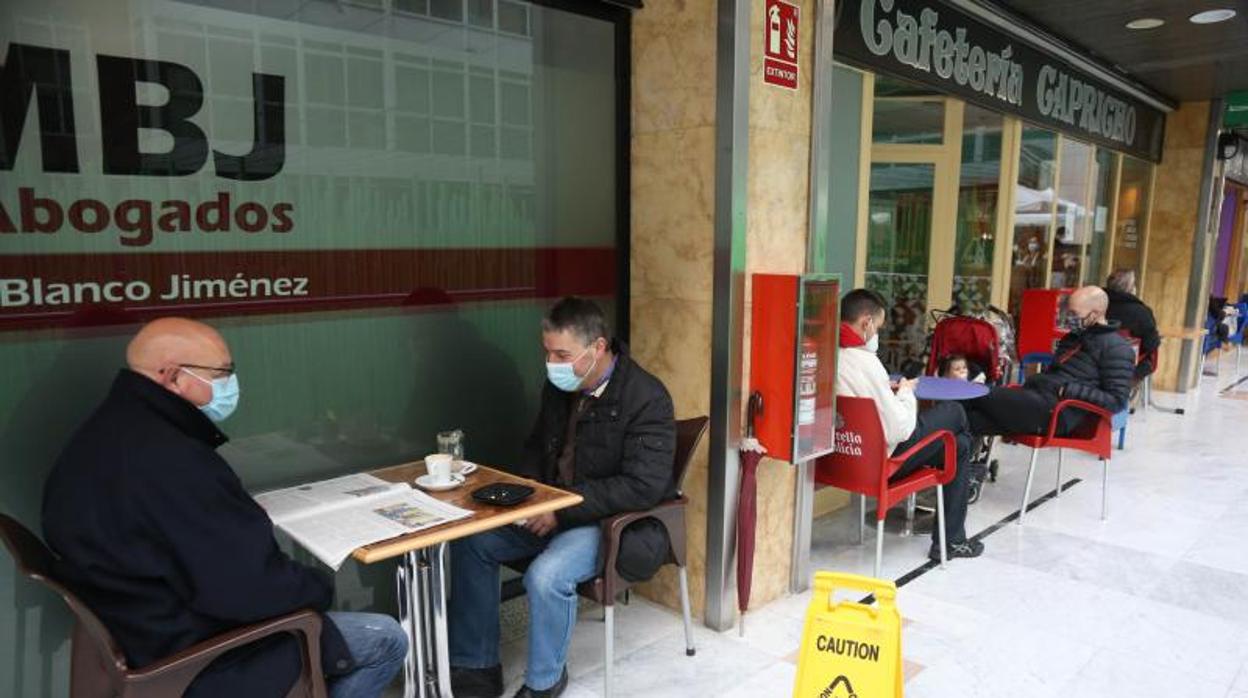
542,525
907,384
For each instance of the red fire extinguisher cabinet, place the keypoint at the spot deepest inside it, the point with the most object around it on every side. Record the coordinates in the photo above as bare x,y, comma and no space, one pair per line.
793,337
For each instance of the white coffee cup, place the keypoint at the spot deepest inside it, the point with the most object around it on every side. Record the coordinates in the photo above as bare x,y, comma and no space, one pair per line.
439,467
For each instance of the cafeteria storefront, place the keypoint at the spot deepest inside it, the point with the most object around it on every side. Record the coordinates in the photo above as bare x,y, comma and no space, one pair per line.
966,157
976,159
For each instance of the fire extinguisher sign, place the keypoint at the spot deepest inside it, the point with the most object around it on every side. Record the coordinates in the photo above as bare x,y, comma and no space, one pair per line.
780,44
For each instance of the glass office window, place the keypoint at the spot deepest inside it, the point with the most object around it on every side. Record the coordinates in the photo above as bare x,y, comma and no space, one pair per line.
379,267
1033,212
978,193
1134,191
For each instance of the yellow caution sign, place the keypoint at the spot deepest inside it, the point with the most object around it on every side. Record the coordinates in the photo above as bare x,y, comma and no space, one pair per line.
850,650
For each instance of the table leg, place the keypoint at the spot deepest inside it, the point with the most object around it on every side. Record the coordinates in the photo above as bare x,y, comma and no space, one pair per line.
410,612
440,634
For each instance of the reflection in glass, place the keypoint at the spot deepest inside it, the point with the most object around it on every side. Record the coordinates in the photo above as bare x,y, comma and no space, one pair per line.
1134,190
1103,192
816,390
977,208
906,114
1074,214
899,231
1033,213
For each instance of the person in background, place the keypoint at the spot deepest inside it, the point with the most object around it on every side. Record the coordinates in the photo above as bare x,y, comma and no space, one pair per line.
861,374
156,534
1135,317
606,431
1092,363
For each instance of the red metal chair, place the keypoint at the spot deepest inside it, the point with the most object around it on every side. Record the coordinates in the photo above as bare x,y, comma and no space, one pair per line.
861,464
1094,435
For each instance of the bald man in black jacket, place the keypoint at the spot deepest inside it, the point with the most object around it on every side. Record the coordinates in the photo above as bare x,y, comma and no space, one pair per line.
1092,363
156,534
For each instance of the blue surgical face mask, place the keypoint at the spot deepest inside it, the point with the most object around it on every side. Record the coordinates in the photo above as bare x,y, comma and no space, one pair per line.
563,375
224,396
873,344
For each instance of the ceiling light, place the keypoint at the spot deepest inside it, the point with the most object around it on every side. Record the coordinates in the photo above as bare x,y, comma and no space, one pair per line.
1211,16
1145,23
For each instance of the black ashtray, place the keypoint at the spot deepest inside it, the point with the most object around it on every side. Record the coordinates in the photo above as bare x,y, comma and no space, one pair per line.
502,494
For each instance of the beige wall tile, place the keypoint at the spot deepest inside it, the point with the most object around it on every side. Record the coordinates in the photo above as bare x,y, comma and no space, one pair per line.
1173,229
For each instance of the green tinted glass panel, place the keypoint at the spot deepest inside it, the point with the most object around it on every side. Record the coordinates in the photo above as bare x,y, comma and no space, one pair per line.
899,231
1033,212
1074,213
1134,191
906,114
978,193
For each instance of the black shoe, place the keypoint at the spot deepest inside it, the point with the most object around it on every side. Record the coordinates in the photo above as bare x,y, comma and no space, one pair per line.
552,692
477,683
967,548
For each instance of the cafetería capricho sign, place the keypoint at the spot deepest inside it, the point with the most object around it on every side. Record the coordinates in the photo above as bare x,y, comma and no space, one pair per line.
935,44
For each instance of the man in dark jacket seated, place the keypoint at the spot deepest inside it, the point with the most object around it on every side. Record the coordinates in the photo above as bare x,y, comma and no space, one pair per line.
1092,363
606,431
1133,316
158,537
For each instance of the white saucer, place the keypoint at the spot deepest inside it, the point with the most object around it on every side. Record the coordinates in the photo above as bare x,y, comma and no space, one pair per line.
425,482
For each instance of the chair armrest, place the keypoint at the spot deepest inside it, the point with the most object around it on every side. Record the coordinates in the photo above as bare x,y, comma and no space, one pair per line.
1100,412
951,453
613,528
175,673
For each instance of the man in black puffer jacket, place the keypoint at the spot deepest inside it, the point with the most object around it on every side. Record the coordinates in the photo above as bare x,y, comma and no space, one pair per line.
1092,363
1133,316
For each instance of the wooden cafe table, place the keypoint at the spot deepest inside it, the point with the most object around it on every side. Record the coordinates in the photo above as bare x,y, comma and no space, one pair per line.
421,575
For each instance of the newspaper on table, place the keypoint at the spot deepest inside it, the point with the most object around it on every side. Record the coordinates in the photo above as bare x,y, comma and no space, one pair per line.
333,517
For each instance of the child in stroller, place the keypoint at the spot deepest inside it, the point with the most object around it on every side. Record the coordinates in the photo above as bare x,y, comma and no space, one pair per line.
984,342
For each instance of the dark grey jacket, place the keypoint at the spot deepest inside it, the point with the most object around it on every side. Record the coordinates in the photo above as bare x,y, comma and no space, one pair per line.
1137,319
1094,365
624,450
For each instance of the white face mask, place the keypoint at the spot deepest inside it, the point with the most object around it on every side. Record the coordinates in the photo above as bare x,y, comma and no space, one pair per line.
873,344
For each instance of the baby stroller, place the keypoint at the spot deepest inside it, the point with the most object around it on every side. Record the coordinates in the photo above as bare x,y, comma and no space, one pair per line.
986,339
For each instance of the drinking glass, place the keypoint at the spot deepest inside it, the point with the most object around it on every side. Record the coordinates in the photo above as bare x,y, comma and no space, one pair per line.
452,442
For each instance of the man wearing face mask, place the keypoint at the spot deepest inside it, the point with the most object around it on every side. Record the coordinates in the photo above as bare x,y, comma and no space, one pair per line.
860,373
156,534
1092,363
606,431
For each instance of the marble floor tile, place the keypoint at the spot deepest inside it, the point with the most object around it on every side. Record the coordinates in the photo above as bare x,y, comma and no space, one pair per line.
1116,673
1002,661
1160,634
776,681
1207,590
1223,547
661,669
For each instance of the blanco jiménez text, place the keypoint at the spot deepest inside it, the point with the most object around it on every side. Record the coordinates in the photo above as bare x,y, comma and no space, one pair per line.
36,292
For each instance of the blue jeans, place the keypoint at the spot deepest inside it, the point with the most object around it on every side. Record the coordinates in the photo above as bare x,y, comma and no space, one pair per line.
563,561
377,644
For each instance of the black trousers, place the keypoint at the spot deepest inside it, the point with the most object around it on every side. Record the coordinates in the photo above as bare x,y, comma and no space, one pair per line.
949,416
1012,411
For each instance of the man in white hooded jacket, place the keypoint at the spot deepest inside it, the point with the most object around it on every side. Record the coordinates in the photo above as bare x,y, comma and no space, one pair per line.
860,373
